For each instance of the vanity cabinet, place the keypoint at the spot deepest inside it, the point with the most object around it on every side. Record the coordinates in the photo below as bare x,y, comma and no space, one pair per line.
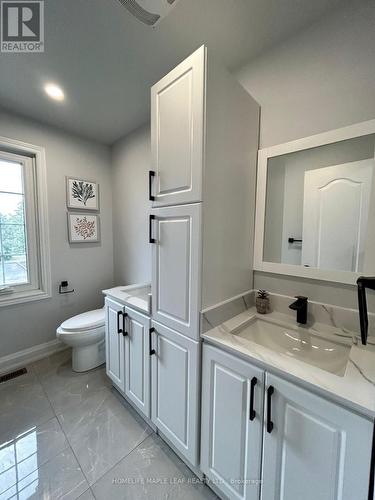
232,422
175,389
115,342
312,448
128,362
316,448
137,360
176,267
157,370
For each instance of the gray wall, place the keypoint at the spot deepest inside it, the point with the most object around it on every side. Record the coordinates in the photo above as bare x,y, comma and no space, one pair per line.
131,161
322,79
319,80
88,267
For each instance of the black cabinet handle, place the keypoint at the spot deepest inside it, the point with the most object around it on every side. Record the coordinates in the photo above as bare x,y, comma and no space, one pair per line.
150,238
119,330
152,351
270,391
124,332
253,383
151,174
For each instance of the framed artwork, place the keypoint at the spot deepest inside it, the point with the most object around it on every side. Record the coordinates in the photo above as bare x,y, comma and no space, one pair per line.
83,228
81,194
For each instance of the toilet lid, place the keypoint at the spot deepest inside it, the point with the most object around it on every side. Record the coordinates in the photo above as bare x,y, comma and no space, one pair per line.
85,321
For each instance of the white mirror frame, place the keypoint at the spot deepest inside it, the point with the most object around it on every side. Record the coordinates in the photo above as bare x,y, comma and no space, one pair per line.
341,134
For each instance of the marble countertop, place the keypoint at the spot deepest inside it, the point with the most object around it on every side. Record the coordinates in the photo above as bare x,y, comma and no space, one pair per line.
136,296
355,389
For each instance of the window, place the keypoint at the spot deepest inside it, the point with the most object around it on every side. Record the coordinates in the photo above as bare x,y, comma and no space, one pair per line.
24,263
14,260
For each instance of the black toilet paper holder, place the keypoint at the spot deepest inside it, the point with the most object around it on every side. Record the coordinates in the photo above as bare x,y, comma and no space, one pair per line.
64,284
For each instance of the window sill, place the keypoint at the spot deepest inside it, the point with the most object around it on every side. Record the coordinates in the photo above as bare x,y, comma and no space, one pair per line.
22,297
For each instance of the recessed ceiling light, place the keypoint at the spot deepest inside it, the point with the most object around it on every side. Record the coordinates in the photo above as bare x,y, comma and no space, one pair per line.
54,91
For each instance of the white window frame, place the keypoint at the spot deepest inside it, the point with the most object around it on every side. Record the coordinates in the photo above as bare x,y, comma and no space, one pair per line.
332,136
37,229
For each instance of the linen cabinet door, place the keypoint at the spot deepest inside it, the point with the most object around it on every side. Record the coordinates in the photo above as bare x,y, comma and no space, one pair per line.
313,448
137,361
175,389
176,259
177,121
232,421
115,342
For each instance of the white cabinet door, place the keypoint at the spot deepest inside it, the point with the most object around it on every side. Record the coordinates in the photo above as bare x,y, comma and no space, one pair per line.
177,121
232,421
115,342
316,449
137,360
176,257
175,389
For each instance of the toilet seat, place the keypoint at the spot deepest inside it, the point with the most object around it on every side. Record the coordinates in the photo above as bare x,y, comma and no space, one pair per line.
89,320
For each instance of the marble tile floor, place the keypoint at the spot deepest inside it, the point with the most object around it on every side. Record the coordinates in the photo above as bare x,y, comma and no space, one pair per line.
69,435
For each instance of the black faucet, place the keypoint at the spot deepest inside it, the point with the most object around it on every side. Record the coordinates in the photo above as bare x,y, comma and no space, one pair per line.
363,283
300,305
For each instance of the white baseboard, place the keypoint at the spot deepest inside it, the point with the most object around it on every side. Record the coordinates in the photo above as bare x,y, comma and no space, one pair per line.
27,356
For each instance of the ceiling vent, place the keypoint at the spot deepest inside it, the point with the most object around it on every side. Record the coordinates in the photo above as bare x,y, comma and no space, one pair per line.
150,12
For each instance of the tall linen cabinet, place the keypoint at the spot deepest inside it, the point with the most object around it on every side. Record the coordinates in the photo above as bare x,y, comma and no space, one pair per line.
204,140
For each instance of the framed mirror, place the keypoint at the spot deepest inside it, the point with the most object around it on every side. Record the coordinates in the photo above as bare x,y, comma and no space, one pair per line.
315,214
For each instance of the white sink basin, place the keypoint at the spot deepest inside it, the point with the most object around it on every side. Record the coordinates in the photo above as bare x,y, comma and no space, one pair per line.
297,343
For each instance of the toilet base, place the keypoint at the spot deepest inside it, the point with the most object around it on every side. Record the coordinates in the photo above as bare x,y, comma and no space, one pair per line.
87,357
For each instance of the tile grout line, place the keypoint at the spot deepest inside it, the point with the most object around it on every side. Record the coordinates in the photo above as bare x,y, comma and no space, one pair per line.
92,493
71,447
50,458
125,456
43,422
62,430
39,425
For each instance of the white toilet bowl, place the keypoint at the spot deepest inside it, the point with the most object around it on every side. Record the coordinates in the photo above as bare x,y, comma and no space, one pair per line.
85,334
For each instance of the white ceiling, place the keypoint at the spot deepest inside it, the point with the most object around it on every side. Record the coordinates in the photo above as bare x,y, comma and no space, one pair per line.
106,60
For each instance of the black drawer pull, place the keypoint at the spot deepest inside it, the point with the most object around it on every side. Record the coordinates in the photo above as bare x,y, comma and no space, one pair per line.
253,383
119,330
151,174
124,332
150,238
270,391
150,332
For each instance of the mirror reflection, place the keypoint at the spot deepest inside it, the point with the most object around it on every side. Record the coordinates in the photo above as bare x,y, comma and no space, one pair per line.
320,207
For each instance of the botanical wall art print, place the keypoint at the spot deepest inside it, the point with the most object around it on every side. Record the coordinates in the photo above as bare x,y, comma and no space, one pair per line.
83,228
81,194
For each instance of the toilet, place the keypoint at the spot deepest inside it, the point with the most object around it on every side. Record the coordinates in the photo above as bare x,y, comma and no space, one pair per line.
85,334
